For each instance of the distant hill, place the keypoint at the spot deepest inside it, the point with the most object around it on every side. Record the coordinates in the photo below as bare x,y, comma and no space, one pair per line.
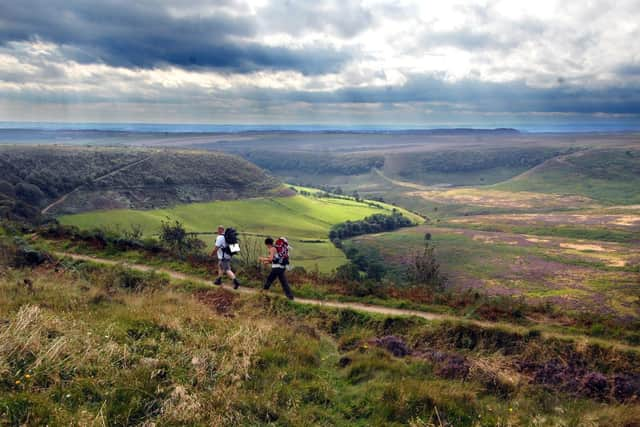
55,180
475,165
606,175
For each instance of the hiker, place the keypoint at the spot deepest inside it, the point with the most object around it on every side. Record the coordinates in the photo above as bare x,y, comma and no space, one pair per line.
279,259
224,256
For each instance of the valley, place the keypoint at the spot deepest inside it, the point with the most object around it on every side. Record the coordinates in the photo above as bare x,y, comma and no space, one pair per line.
383,213
535,240
304,220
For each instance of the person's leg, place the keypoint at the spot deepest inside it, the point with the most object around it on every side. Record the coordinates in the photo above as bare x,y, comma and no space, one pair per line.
272,276
218,280
285,284
232,275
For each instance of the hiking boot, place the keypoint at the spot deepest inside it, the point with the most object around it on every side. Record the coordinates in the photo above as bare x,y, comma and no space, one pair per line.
236,284
290,297
218,281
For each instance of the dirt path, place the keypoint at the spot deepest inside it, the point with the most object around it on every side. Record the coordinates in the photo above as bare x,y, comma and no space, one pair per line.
78,188
324,303
367,308
402,183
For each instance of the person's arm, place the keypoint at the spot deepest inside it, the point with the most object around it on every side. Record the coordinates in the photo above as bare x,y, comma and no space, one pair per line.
214,253
269,259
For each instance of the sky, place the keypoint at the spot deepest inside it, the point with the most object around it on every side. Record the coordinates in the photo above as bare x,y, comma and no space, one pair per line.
346,62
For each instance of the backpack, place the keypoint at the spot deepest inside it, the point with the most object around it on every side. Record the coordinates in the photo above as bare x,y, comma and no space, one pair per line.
231,246
282,251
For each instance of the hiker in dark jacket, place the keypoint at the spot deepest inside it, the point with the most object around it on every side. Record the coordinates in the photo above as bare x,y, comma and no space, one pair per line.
278,268
224,260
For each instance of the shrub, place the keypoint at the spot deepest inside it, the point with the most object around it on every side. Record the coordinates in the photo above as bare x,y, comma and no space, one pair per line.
626,387
367,260
174,236
595,385
348,272
123,278
424,269
19,254
29,257
252,248
362,288
395,345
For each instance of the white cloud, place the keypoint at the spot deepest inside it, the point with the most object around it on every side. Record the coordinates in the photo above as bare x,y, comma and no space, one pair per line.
546,44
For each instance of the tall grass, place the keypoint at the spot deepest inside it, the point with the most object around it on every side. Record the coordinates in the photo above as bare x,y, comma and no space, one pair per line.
83,347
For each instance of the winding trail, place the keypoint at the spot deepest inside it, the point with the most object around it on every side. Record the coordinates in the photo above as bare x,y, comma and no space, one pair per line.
101,177
333,304
366,308
399,183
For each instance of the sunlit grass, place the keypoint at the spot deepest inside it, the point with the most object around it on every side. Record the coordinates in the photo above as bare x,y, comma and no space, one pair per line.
298,218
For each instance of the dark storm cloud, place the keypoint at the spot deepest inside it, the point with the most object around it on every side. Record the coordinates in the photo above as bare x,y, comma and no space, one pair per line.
478,96
462,96
144,34
629,70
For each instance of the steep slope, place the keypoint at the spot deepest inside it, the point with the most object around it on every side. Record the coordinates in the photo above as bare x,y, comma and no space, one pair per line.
58,180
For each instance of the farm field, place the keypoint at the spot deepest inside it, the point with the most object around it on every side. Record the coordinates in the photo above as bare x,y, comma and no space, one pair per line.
302,219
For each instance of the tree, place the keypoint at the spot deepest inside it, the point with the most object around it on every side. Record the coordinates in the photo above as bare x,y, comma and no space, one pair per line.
371,224
348,272
375,270
6,188
424,269
29,193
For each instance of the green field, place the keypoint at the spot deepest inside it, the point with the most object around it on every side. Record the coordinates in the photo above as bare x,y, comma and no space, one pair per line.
298,218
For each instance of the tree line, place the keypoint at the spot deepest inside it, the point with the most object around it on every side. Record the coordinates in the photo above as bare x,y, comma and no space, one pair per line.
376,223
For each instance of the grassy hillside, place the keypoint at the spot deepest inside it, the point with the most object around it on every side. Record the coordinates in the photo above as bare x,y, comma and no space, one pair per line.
89,345
77,179
607,175
472,166
298,218
585,275
292,163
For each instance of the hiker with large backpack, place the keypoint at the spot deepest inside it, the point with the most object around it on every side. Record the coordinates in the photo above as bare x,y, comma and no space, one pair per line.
279,259
226,246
